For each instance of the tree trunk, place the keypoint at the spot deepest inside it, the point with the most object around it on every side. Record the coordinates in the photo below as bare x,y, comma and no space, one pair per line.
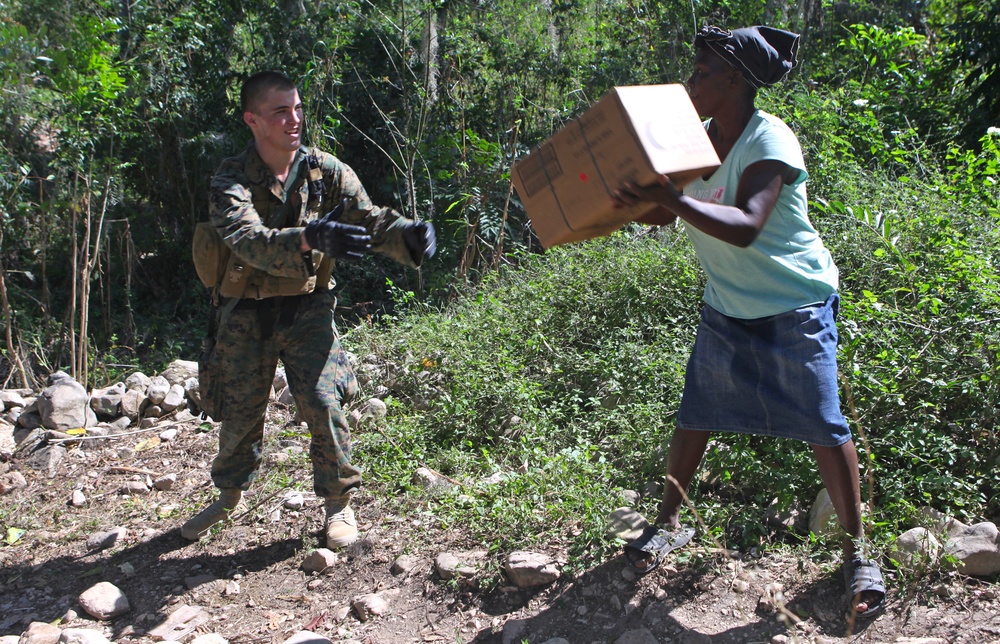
429,55
12,351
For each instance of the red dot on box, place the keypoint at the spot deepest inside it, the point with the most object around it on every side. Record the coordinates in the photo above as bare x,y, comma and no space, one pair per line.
583,177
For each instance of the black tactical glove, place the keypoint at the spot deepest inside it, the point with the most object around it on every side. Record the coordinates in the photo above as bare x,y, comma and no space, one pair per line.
420,241
339,241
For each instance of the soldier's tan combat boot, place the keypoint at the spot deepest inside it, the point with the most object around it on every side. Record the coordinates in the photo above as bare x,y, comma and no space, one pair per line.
341,527
199,525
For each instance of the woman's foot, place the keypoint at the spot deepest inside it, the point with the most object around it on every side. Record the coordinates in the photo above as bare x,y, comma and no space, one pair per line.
648,551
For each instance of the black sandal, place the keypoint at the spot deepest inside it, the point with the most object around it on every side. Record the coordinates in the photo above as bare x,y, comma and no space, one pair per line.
658,543
863,576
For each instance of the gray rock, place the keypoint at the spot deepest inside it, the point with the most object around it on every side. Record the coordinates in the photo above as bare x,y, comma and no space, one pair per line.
64,404
940,523
12,481
916,547
78,499
174,399
82,636
165,482
210,638
626,524
199,580
115,426
107,402
137,381
285,396
451,565
530,569
104,600
637,636
977,549
134,403
48,459
280,381
184,415
340,614
40,633
30,440
135,488
192,390
369,605
823,516
29,419
375,408
159,387
404,564
293,501
12,416
180,370
513,631
7,442
429,480
10,398
109,539
319,560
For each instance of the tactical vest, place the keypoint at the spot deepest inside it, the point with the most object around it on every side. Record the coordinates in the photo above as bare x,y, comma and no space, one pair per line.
229,276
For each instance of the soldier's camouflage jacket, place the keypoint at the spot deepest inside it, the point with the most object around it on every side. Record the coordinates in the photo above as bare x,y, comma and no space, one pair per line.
261,221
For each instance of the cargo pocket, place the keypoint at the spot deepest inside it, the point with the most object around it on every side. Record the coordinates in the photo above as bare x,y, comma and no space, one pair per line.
347,382
210,381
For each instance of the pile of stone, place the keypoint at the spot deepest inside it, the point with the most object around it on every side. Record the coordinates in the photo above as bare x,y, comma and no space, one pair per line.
65,405
34,425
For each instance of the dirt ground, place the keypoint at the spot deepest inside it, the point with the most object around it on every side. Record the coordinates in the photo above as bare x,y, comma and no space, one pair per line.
248,583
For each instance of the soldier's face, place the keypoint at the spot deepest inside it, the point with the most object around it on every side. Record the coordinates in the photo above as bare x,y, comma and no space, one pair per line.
276,121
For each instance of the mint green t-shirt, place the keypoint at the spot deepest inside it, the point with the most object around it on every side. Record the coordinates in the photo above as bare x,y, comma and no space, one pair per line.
787,266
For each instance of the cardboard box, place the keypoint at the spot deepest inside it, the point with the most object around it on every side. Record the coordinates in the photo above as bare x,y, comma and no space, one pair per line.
632,134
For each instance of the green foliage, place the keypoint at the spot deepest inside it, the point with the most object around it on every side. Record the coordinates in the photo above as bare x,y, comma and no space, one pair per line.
971,31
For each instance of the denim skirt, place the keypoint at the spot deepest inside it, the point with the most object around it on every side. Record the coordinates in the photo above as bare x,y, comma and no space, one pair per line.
771,376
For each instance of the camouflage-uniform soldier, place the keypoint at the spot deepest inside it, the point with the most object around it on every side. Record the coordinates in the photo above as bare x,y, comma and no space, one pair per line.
266,204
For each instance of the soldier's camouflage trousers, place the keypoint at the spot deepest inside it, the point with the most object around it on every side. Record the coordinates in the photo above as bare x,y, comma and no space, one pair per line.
321,381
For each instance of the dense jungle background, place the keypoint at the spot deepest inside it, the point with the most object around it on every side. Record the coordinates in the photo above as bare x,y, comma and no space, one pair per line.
115,114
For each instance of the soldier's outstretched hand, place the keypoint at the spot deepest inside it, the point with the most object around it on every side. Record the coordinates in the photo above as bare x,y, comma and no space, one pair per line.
420,240
339,241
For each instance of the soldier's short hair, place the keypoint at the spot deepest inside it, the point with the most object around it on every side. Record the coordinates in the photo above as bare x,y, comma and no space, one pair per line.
255,87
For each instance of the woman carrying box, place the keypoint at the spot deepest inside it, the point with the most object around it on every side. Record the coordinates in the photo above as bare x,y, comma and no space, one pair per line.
764,361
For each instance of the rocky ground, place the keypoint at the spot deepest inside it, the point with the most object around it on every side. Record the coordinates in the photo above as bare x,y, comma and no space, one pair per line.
110,510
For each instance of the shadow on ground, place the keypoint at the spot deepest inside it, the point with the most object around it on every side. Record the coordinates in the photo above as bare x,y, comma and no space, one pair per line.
686,606
151,573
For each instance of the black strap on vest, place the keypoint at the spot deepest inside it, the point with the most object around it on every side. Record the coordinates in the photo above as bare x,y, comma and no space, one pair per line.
272,311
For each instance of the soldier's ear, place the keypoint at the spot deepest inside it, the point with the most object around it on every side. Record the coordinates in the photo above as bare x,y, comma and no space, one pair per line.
250,119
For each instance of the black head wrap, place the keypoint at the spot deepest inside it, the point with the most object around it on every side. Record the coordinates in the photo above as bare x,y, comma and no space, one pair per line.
763,55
